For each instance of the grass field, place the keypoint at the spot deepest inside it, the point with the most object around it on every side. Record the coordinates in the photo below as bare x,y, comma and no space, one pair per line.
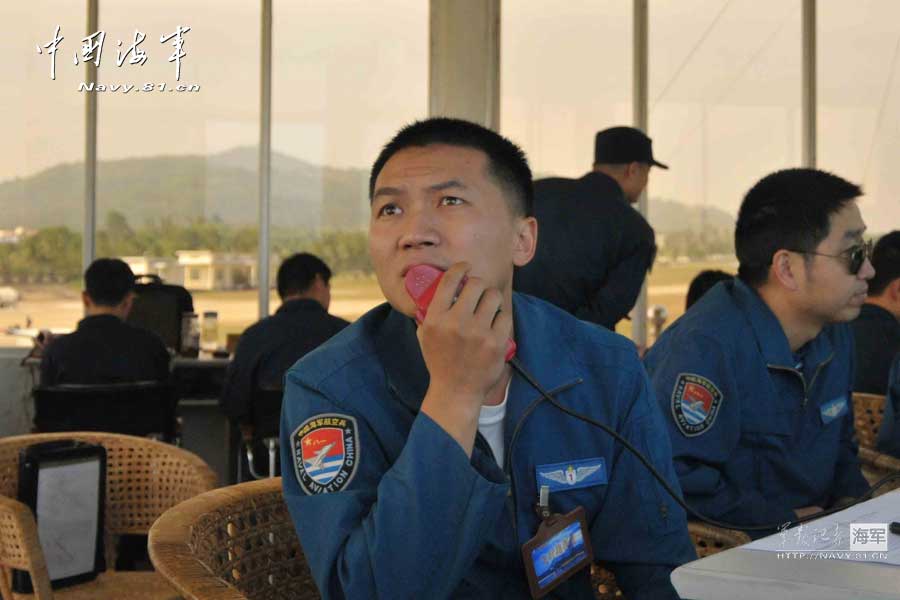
59,306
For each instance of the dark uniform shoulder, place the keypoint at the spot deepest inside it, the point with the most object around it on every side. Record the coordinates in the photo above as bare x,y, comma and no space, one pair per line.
337,322
261,328
350,350
149,338
59,344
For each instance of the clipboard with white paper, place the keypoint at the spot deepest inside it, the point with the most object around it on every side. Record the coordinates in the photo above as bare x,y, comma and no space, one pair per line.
64,484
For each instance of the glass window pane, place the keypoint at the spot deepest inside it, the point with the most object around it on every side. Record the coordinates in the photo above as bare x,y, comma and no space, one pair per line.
41,168
565,74
859,102
347,75
177,191
724,96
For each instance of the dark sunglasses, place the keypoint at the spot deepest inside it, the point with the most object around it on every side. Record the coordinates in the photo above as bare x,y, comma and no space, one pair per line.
854,255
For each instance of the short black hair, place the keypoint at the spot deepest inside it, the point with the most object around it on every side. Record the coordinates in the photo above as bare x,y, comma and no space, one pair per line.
298,271
786,210
108,281
886,260
702,283
507,163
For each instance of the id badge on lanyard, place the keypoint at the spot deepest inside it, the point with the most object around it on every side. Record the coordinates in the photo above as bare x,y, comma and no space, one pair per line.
560,548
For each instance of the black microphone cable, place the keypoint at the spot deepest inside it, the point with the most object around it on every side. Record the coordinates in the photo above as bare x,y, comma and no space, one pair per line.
545,395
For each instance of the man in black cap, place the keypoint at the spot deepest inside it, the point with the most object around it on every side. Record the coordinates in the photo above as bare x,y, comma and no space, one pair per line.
593,248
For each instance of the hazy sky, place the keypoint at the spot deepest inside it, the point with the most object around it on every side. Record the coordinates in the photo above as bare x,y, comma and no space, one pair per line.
724,85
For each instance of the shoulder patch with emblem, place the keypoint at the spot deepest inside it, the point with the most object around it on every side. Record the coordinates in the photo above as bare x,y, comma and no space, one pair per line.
695,404
325,449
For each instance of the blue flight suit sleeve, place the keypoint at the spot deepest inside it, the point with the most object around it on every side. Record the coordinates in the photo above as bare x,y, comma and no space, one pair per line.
702,460
889,434
848,478
411,529
641,534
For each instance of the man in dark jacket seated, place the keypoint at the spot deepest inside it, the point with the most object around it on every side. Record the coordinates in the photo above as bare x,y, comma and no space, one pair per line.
105,349
271,346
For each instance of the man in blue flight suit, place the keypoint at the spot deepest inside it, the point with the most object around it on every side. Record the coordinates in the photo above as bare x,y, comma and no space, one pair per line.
889,433
404,481
756,378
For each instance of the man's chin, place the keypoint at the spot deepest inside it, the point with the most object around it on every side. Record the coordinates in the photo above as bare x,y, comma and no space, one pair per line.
404,306
848,314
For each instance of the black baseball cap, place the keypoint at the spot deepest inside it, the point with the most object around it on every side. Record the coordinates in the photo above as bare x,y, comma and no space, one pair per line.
618,145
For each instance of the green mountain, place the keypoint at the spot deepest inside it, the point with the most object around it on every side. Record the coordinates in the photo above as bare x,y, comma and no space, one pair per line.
669,216
221,187
224,188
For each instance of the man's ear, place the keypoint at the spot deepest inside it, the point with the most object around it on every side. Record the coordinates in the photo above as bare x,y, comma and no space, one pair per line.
127,303
525,242
632,169
319,284
85,299
785,269
893,292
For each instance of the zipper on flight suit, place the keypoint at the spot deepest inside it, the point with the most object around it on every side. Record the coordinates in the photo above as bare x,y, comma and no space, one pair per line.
812,381
511,499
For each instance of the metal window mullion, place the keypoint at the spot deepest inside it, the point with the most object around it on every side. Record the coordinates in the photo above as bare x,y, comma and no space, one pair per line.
809,83
89,228
265,155
640,118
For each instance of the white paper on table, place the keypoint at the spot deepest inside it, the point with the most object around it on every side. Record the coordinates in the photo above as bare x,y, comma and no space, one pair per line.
67,498
830,536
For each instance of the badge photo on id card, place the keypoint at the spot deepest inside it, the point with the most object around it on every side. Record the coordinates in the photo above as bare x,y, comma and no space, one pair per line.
561,547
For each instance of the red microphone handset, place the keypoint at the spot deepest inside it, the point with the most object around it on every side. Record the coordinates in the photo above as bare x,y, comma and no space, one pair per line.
421,282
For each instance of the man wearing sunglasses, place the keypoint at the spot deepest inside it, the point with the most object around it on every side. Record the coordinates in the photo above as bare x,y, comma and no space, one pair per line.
756,379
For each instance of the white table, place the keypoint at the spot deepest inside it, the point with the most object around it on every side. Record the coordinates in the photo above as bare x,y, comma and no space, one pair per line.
742,574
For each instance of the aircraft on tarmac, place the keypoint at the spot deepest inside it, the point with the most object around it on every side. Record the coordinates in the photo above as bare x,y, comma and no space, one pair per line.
8,297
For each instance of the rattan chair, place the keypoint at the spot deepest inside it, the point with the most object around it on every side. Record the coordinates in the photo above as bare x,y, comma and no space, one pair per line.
711,540
232,543
143,479
603,582
876,466
868,412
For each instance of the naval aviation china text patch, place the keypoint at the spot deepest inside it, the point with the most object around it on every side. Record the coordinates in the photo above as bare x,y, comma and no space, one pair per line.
326,452
695,403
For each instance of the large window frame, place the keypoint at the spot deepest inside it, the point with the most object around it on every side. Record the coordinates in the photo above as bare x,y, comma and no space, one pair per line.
483,101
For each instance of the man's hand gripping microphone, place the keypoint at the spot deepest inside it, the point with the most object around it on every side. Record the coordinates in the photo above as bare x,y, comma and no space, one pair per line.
421,282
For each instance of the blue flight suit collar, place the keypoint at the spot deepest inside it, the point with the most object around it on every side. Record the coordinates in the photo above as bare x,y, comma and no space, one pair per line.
407,376
770,336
